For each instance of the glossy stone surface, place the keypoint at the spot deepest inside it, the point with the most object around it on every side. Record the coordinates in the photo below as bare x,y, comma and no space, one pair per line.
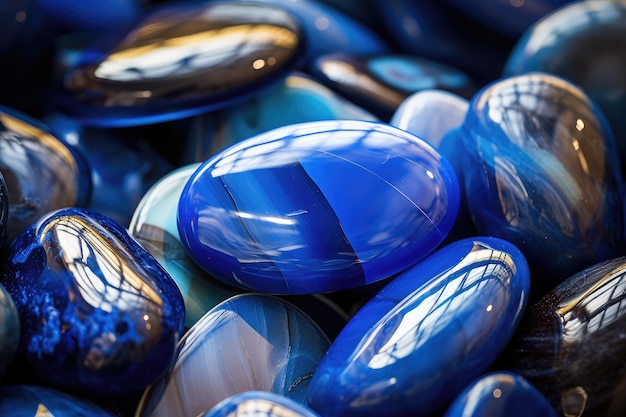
300,98
98,313
181,60
426,335
259,404
291,211
9,330
250,342
380,83
571,342
500,394
154,226
541,171
584,42
39,401
42,171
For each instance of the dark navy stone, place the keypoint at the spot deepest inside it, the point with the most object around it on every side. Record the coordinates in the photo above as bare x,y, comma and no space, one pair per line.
316,207
500,394
541,170
98,313
571,344
250,342
92,15
425,336
181,60
9,330
42,171
585,43
39,401
259,404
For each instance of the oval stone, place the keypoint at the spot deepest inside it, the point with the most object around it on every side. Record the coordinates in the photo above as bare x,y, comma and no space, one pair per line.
250,342
317,207
426,335
259,404
98,313
181,60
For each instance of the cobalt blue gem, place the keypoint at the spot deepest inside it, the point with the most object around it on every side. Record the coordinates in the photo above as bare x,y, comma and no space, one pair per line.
316,207
259,404
426,335
181,60
98,313
541,170
500,394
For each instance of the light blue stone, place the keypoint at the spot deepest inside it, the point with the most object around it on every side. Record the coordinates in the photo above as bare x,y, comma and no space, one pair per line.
259,404
316,207
426,335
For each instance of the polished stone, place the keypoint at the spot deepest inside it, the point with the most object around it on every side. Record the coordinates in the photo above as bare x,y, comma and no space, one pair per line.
291,211
250,342
9,330
181,60
541,170
98,313
42,171
571,344
300,98
259,404
500,394
585,43
426,335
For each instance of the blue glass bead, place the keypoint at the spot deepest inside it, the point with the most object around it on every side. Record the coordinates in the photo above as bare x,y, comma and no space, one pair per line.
585,43
42,171
426,335
97,311
317,207
300,98
39,401
541,171
570,344
250,342
500,394
181,60
259,404
154,226
9,330
380,83
92,15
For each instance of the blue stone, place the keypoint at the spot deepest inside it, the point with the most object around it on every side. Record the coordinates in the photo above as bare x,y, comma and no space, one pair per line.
98,313
380,83
9,330
317,207
42,171
541,170
250,342
300,98
92,15
570,344
259,404
180,60
40,401
426,335
585,43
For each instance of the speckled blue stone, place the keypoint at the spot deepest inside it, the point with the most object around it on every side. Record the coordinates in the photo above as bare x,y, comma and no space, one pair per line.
542,171
500,394
317,207
98,313
250,342
259,404
426,335
40,401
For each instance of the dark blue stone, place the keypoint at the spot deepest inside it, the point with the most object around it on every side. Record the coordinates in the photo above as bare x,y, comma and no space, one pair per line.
571,344
9,330
250,342
541,170
259,404
585,43
40,401
180,60
426,335
97,311
92,15
317,207
500,394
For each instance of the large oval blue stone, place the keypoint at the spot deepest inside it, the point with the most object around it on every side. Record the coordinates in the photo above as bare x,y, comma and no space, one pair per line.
425,336
317,207
98,313
259,404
